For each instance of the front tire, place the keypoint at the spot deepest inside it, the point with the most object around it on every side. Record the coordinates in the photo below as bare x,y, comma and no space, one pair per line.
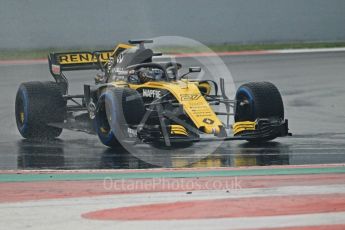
102,126
38,104
125,107
257,100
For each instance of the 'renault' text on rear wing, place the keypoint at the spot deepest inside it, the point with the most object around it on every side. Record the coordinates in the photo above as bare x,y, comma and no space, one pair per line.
83,60
80,60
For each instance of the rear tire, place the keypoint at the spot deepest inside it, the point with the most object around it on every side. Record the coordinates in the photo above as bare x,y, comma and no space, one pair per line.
38,104
258,100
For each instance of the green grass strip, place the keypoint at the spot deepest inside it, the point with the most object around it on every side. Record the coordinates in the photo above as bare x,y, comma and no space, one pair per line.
166,174
276,46
12,54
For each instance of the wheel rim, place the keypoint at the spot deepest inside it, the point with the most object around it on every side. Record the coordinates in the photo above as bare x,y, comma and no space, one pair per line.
21,111
246,111
102,121
103,128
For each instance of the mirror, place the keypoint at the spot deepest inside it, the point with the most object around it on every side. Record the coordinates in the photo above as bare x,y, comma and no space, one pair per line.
195,69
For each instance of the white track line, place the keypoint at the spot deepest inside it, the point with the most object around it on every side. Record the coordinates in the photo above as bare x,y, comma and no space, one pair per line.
298,51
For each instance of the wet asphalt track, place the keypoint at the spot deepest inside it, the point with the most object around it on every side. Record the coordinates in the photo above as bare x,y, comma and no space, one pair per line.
313,90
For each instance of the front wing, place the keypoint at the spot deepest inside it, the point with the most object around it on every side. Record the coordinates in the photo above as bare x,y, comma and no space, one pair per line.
261,129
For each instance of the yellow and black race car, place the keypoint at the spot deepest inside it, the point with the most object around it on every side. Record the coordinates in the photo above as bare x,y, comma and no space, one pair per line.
137,99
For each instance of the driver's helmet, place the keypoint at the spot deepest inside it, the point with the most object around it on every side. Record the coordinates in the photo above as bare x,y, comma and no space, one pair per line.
146,75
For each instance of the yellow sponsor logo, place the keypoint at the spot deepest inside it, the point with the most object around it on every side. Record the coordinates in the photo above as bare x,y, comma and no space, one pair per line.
189,97
80,58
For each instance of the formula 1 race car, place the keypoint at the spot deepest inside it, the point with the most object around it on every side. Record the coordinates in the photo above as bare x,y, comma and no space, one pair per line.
135,98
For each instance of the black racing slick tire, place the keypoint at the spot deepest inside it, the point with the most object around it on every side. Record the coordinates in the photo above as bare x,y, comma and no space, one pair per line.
103,129
132,105
258,100
38,104
117,108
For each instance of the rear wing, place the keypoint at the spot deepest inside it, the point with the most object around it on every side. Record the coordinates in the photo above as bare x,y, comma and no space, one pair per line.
82,60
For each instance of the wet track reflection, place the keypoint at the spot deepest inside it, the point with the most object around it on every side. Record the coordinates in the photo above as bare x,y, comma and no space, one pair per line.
38,155
89,154
314,106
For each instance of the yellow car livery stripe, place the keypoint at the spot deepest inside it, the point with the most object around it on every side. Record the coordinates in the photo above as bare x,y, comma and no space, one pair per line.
238,127
178,130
